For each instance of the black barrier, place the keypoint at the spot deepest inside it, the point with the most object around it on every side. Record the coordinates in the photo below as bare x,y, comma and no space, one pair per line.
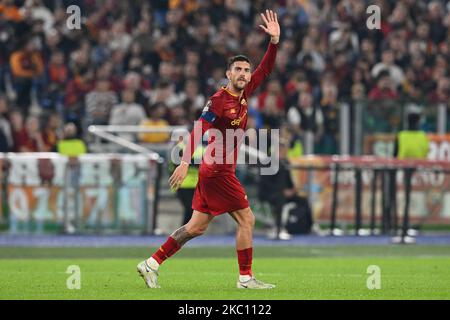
335,195
358,196
408,177
387,169
373,200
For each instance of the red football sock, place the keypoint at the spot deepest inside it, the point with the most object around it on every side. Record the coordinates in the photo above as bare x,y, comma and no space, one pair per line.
168,249
245,261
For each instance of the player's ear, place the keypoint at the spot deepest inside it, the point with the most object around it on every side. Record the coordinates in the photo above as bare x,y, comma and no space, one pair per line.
228,74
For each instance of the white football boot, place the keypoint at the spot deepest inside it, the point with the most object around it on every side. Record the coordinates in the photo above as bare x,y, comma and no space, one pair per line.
254,284
149,275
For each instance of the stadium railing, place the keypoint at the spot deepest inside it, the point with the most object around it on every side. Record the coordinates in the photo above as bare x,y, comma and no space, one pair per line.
375,168
99,193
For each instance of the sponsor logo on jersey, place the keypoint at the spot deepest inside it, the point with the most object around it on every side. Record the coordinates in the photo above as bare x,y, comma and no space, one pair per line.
237,121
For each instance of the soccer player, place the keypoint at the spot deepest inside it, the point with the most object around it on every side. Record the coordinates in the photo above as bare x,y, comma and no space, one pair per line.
218,190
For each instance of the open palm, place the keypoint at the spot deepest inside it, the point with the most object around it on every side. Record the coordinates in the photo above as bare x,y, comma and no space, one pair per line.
271,23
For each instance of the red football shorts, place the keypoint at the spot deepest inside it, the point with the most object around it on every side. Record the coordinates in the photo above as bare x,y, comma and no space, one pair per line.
220,194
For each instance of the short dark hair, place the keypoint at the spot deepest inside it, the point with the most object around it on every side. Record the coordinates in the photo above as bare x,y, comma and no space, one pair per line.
239,57
413,121
383,74
162,84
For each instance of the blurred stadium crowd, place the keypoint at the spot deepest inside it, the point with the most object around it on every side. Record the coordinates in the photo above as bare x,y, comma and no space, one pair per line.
155,63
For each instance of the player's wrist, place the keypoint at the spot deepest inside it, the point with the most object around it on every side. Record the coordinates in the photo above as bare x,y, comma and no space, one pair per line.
275,39
184,163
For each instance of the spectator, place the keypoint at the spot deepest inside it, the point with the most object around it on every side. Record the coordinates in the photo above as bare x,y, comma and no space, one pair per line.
387,63
272,115
384,90
27,138
328,143
312,55
127,113
106,71
345,40
342,73
215,81
74,100
164,92
358,92
368,52
442,91
99,103
423,37
57,70
420,69
298,82
140,87
143,36
101,51
273,88
412,143
26,65
58,75
10,11
155,120
70,145
6,140
307,119
17,128
119,38
179,115
191,95
51,134
435,20
134,60
40,12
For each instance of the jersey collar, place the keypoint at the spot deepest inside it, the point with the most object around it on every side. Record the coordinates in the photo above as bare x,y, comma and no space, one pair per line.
230,93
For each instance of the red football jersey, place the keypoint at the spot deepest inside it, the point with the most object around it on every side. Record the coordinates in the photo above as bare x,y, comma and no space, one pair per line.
223,111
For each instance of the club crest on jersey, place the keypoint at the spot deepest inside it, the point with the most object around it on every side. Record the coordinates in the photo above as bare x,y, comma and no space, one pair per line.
244,102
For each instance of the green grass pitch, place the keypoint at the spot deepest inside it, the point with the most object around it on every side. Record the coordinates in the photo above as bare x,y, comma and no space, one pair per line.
407,272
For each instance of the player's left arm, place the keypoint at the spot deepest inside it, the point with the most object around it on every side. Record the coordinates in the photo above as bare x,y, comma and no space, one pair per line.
263,70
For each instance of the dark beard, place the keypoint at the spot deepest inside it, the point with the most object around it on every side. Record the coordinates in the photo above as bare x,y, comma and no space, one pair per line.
236,85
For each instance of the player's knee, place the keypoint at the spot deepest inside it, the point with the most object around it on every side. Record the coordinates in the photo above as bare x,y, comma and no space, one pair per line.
251,220
247,219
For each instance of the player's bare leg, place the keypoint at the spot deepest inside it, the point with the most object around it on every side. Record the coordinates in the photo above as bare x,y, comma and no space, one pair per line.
197,225
244,246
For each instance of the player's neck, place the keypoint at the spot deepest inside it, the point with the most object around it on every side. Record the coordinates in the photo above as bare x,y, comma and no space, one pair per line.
230,88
